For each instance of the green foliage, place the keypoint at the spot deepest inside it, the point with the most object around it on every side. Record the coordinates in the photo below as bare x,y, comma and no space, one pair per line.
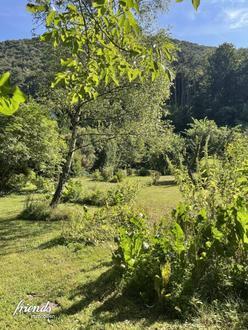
144,172
205,139
89,228
43,185
195,3
29,140
123,193
73,192
201,253
191,257
94,227
107,173
111,32
10,97
96,175
119,176
155,177
35,209
144,258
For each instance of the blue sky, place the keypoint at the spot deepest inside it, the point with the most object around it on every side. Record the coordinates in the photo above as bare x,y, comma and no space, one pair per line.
215,22
15,22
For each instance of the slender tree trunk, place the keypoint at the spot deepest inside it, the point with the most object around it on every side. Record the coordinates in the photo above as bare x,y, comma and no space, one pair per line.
67,165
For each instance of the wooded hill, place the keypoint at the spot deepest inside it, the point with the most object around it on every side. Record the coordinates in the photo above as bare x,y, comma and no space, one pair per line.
210,82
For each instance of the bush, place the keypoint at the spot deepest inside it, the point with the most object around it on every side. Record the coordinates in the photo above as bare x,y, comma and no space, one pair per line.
119,176
35,209
200,254
44,185
119,195
96,198
96,175
131,171
95,227
122,194
144,172
107,173
17,182
155,177
185,258
73,192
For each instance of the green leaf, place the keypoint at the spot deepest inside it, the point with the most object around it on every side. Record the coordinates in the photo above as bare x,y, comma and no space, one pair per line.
10,98
4,79
50,17
196,3
178,234
34,9
218,235
18,96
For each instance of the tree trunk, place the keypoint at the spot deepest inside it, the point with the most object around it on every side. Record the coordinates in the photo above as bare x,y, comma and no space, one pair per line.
67,165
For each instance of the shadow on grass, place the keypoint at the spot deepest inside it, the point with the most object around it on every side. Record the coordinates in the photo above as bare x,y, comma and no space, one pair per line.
52,243
114,307
170,183
111,307
15,231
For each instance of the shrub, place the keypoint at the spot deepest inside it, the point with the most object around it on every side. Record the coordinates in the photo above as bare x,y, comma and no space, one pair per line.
122,194
144,172
200,254
131,171
121,175
96,175
155,177
17,182
73,192
185,258
35,209
107,173
44,185
95,197
95,227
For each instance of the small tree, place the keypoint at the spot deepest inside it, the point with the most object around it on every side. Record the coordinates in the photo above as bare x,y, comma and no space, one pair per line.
29,140
105,47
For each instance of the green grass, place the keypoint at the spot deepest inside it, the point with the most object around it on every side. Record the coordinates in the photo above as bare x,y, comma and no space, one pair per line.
36,267
156,201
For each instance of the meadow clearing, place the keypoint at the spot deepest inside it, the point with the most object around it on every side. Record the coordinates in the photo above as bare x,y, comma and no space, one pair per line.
36,267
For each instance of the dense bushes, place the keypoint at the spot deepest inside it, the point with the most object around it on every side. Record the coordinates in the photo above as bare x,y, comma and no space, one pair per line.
108,174
119,194
29,141
199,254
91,227
191,258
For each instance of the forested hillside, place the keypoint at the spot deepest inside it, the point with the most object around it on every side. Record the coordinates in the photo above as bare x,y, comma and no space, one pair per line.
31,62
210,82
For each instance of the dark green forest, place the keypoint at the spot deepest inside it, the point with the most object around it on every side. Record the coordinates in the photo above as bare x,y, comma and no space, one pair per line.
210,82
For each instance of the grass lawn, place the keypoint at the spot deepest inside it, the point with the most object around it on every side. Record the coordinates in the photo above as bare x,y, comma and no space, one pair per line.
156,201
35,267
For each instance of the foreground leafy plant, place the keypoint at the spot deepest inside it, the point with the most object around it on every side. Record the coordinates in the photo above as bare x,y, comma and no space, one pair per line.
10,97
199,254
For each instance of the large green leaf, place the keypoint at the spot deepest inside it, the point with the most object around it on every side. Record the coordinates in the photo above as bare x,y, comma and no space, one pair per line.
10,97
196,3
